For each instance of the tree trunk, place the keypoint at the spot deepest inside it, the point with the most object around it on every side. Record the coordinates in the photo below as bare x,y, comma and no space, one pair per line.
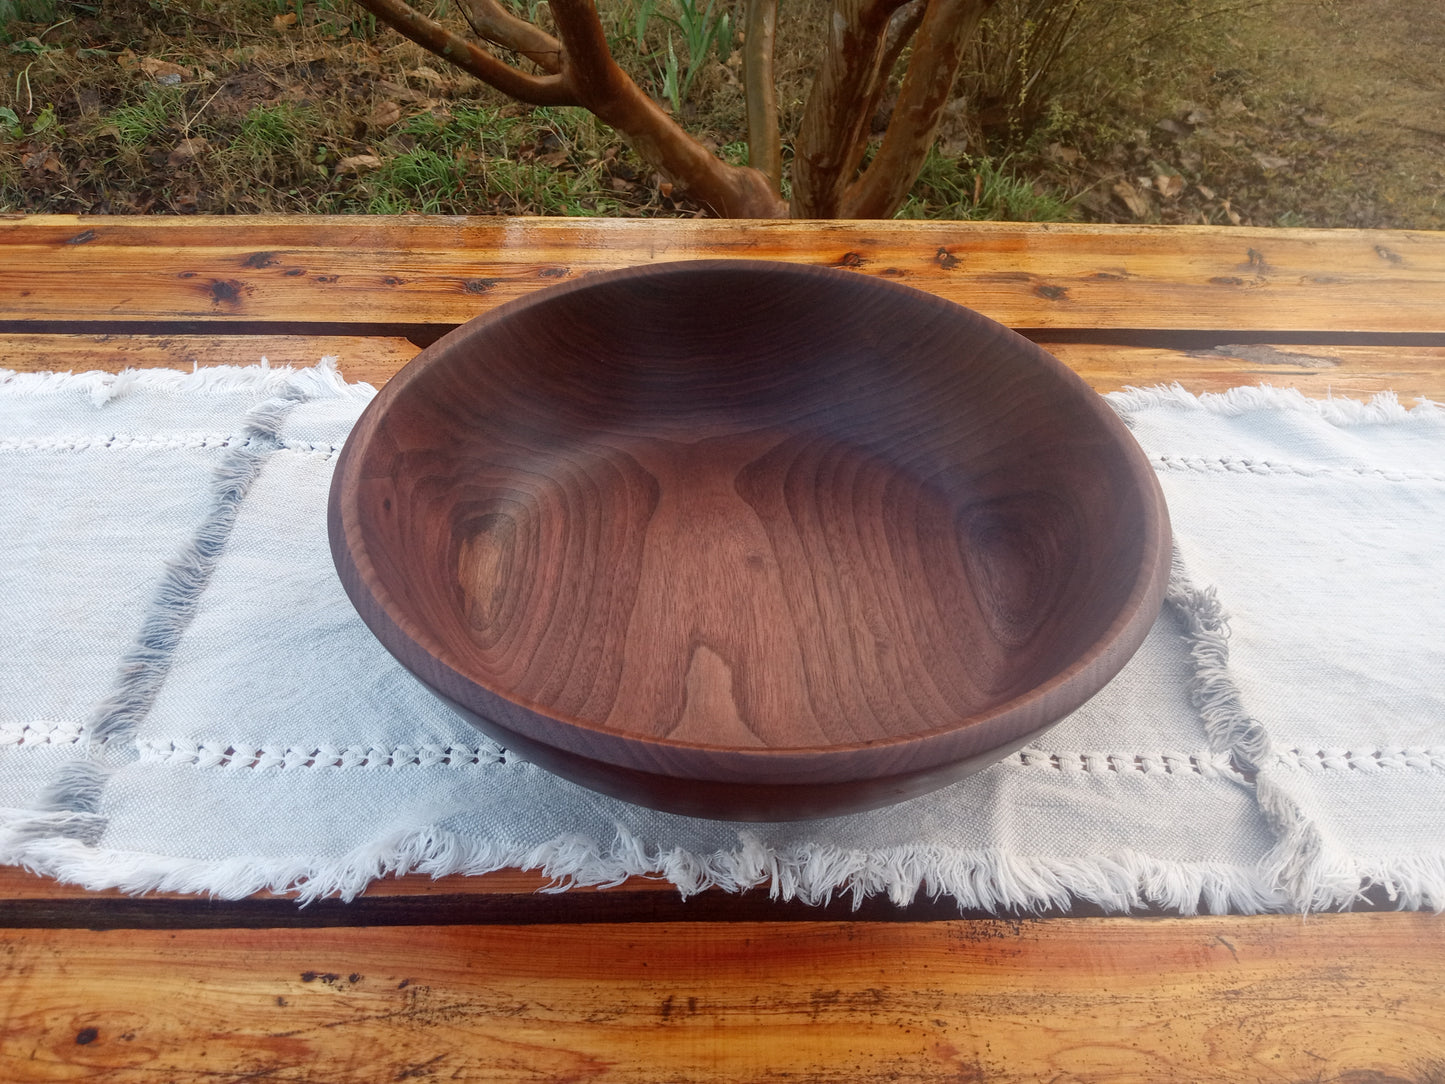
833,134
938,49
865,38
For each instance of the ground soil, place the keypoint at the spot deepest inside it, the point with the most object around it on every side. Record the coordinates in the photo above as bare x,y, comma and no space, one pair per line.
1314,115
1292,112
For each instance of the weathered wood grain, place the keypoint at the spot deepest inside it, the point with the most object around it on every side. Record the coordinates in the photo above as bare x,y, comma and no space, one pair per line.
1353,998
1412,372
80,353
1357,998
410,271
750,540
1319,371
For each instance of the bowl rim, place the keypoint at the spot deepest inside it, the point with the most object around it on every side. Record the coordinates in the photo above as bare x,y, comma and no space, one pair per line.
1041,706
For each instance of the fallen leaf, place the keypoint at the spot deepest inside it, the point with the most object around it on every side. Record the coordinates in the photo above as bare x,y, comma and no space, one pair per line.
164,72
358,163
1204,190
1174,128
385,114
556,158
187,150
1229,212
283,22
1169,185
1130,197
430,76
43,159
666,189
402,92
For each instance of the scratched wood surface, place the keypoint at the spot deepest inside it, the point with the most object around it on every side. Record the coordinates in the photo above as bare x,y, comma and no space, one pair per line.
430,272
1232,999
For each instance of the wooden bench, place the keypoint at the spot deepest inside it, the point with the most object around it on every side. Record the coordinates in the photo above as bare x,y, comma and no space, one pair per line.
483,979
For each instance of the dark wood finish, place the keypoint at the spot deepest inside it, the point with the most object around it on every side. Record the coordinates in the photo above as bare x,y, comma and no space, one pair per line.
750,540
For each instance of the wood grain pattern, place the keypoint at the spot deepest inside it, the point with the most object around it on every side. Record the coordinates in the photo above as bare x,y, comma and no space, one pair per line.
1350,998
111,353
342,270
1356,999
1318,370
750,540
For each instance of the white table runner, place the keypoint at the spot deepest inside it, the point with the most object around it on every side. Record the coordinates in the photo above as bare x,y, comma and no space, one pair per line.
188,701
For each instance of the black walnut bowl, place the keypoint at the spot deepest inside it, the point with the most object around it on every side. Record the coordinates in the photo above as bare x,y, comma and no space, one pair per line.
749,540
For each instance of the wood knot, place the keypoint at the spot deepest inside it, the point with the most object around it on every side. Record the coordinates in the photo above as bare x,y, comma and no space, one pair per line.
227,291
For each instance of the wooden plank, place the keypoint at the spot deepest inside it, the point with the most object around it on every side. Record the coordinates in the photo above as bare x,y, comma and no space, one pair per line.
1320,371
1117,1000
17,884
349,270
1317,371
79,353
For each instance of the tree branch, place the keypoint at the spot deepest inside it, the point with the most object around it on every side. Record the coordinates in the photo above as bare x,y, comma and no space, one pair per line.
937,52
834,129
499,26
901,28
429,34
587,62
765,146
587,76
604,88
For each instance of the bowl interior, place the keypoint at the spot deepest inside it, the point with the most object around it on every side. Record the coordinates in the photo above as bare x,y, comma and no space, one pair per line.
750,507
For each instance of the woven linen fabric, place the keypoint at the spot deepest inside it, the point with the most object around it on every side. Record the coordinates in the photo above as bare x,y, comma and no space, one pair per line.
189,702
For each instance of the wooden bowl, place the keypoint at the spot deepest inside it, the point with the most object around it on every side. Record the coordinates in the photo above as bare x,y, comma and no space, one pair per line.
749,540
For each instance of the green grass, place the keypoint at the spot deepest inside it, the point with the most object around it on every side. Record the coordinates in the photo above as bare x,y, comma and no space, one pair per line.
422,180
469,157
979,188
143,123
115,134
279,130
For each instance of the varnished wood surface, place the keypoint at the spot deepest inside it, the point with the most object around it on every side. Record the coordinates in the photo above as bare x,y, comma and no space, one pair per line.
1351,998
748,539
1356,999
442,272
